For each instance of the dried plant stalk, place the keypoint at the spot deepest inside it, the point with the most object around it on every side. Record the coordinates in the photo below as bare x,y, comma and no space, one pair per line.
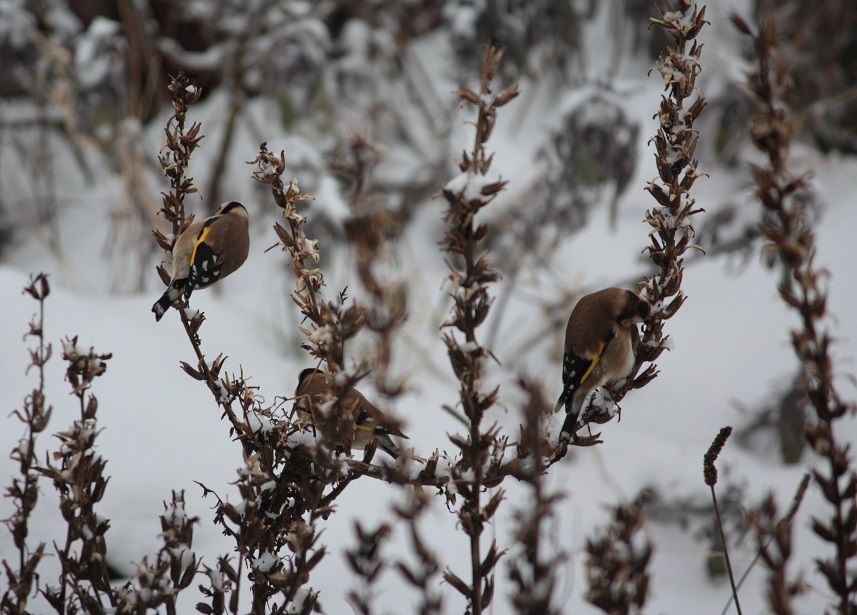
470,274
331,323
175,156
617,564
533,574
312,471
159,583
35,415
175,163
368,231
421,576
803,289
774,540
675,144
268,524
366,563
77,472
709,471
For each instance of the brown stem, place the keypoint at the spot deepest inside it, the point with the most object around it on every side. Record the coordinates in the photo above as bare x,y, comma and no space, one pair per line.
213,384
29,477
237,591
725,550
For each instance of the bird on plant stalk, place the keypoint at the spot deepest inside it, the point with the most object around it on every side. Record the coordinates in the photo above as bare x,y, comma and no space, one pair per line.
599,347
369,423
207,251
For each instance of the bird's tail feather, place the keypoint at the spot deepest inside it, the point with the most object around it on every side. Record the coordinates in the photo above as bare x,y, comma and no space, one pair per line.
561,402
386,444
167,299
569,427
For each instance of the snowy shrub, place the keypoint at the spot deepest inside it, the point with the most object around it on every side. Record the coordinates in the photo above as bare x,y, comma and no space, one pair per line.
350,94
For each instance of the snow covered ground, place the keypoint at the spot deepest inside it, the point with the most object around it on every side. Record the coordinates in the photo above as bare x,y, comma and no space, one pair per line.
162,430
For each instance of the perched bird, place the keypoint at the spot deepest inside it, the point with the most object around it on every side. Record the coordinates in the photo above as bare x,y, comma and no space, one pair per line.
315,387
207,251
599,347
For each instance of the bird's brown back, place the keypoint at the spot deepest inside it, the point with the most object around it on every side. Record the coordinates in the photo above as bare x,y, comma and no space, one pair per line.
592,319
235,231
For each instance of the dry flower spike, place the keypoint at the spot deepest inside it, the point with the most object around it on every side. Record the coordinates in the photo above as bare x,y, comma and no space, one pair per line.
805,291
671,233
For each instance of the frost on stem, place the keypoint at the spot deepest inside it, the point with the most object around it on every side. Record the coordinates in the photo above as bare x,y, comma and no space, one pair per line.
175,566
331,323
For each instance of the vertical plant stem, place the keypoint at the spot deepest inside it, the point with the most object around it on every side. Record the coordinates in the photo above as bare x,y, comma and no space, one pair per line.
725,550
709,473
470,274
35,415
804,288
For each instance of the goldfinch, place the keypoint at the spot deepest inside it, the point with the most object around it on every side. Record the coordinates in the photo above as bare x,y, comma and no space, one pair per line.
207,251
599,347
316,387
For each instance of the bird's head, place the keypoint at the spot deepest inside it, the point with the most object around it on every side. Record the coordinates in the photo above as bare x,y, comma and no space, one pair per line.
635,310
304,375
233,208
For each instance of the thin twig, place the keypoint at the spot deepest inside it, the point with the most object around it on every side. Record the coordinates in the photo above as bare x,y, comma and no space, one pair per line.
710,474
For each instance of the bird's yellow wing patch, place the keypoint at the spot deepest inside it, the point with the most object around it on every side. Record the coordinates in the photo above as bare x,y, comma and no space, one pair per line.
591,367
199,240
594,363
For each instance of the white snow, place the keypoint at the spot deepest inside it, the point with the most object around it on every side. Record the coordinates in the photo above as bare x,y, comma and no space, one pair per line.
176,514
470,185
265,562
259,422
92,55
185,557
216,578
